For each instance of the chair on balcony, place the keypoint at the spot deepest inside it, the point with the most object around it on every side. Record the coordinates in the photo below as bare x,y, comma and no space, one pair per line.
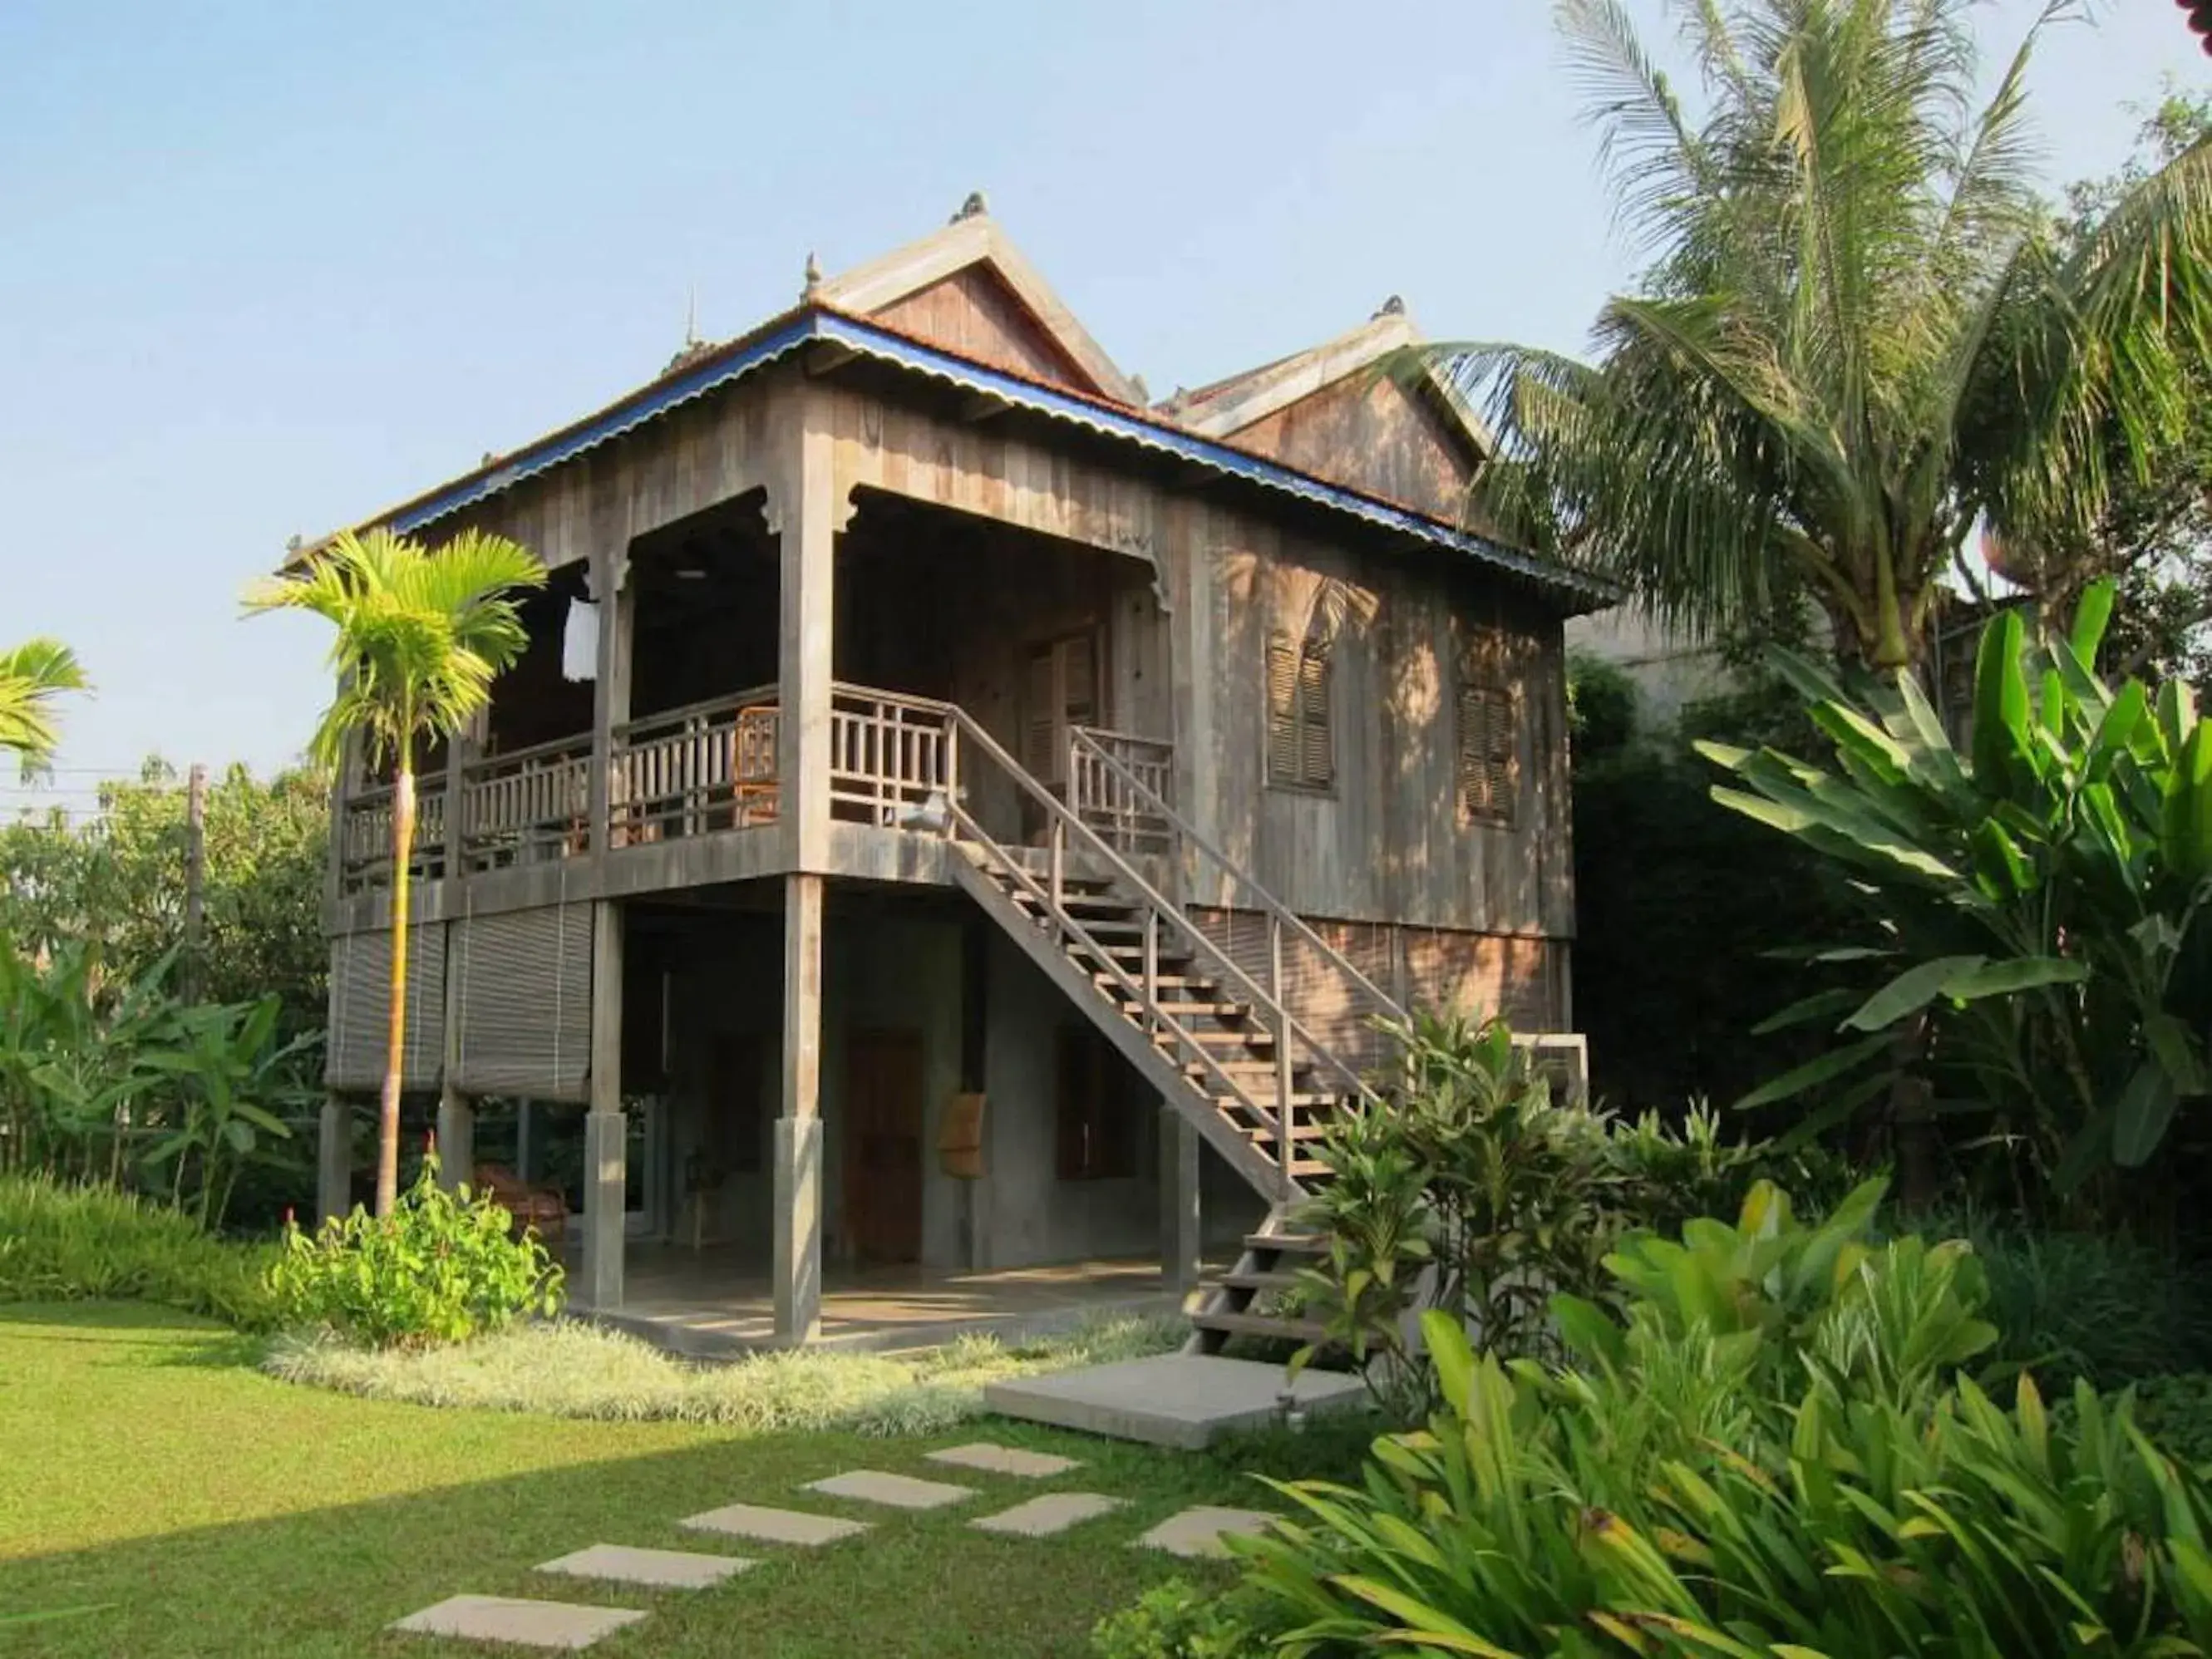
755,785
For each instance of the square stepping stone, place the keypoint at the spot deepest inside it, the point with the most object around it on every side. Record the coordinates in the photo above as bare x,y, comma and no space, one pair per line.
1040,1517
1005,1460
775,1526
1198,1532
660,1569
900,1492
512,1618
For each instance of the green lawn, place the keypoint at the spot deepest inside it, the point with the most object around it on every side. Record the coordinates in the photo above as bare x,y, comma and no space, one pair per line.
145,1468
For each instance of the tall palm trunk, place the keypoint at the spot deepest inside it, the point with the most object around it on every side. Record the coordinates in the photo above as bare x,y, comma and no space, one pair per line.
395,1037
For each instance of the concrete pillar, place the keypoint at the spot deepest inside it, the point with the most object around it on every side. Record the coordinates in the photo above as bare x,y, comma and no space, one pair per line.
605,1130
456,1139
334,1159
1183,1234
799,1128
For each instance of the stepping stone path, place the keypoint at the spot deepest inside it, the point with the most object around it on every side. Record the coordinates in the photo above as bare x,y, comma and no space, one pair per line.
659,1569
1194,1532
775,1526
528,1624
1198,1532
900,1492
1006,1459
1040,1517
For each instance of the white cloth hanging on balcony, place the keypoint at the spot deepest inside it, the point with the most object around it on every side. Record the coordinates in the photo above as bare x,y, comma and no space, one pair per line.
579,641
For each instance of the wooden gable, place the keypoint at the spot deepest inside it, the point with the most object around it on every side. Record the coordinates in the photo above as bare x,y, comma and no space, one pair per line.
973,314
1372,433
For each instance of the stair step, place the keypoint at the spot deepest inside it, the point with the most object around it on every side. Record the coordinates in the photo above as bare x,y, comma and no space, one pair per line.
1244,1324
1251,1068
1165,981
1227,1039
1225,1103
1308,1130
1288,1244
1223,1011
1107,903
1253,1280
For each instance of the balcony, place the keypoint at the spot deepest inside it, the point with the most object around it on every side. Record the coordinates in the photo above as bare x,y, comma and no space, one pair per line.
709,770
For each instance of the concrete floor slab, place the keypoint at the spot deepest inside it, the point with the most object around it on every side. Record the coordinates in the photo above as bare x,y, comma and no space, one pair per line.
1181,1399
525,1623
772,1526
1005,1460
900,1492
1198,1532
1054,1512
658,1569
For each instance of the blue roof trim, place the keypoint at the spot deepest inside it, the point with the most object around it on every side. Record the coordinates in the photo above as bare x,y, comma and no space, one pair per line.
779,340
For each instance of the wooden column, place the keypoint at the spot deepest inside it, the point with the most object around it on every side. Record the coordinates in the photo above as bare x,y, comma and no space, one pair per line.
456,1116
605,1131
611,589
799,1128
806,510
1182,1231
334,1159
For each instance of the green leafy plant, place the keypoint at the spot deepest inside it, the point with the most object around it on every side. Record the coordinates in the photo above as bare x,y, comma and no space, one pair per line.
237,1082
1180,1619
65,1242
1468,1188
1776,1454
2035,904
441,1267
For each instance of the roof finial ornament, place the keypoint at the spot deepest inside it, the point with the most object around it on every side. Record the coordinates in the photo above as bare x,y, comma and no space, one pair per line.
813,277
1393,307
974,208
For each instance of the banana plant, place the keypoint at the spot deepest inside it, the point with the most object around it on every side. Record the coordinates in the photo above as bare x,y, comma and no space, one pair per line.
234,1083
2035,900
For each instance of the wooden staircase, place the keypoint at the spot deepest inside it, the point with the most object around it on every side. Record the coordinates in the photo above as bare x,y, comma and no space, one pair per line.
1223,1048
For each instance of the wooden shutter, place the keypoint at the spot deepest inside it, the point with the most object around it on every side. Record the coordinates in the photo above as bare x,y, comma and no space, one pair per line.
1488,760
360,1004
1282,710
1040,721
524,1002
1317,740
1301,741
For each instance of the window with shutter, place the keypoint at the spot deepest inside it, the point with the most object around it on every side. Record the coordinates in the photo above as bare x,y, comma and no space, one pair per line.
1301,745
1489,757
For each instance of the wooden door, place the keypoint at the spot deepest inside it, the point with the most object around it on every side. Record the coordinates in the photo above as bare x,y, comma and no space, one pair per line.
1063,692
884,1146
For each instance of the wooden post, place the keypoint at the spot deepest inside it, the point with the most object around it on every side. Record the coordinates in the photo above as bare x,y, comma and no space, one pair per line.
1182,1238
456,1116
799,1128
334,1159
807,510
605,1130
610,686
461,749
195,882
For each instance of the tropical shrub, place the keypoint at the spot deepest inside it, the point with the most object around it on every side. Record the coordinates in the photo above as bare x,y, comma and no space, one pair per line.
1775,1453
441,1267
1469,1188
1665,1172
2176,1413
1180,1619
2034,905
61,1242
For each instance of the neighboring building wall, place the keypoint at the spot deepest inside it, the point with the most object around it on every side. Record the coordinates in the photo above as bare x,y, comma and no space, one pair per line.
1668,670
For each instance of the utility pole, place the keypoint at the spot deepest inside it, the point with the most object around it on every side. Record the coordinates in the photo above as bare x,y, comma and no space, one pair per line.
195,876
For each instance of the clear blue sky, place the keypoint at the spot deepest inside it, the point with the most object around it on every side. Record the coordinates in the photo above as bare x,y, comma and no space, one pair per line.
267,268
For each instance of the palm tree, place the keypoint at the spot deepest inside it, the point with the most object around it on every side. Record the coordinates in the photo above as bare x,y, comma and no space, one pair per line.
32,676
422,634
1858,332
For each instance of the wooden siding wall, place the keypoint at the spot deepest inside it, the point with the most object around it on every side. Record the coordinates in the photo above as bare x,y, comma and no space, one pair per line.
1388,841
973,314
1372,434
1478,974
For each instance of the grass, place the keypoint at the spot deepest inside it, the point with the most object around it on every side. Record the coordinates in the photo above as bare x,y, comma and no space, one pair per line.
206,1509
573,1370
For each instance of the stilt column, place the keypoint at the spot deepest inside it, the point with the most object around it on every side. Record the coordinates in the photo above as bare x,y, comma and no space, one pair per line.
456,1139
334,1159
605,1131
1182,1231
798,1130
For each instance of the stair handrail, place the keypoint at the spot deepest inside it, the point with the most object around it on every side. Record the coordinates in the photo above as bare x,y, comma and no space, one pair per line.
1268,902
1287,1025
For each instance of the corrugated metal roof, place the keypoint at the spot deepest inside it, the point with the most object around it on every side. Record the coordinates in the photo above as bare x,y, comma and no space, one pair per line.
783,335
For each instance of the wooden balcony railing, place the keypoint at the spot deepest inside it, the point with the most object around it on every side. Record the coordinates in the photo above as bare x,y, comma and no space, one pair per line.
365,848
529,806
711,766
1117,799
